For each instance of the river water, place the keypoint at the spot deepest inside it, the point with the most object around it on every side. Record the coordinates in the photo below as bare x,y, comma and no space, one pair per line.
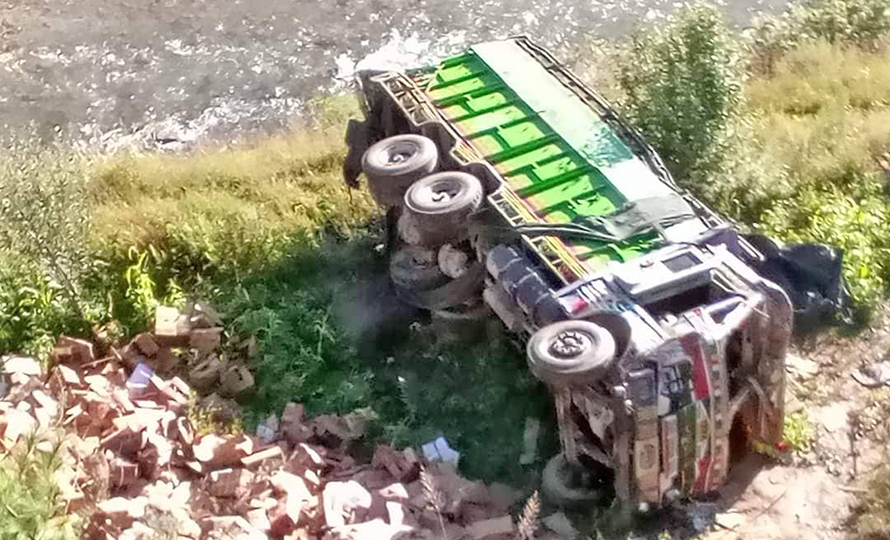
172,73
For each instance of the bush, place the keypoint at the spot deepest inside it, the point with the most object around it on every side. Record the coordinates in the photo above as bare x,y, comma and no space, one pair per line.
682,89
45,216
861,23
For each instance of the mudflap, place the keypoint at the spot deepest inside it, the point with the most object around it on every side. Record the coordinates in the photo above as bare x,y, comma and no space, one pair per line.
357,141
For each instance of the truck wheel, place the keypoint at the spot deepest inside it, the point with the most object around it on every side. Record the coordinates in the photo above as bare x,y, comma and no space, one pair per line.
415,268
441,203
395,163
570,352
565,484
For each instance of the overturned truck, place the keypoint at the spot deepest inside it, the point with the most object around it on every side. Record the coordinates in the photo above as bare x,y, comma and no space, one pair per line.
514,190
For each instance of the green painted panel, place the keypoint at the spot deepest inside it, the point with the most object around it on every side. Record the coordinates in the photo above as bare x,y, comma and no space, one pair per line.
552,149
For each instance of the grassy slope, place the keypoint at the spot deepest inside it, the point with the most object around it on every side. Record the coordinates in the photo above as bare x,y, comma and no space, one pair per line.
270,233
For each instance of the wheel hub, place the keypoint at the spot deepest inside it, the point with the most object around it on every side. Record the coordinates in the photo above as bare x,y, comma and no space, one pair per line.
399,157
570,344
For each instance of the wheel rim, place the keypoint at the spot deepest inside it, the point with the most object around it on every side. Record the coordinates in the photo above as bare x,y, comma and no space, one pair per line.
400,153
440,193
570,344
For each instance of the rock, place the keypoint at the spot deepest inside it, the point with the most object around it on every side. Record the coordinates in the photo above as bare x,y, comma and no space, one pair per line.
235,381
206,374
801,366
729,520
530,441
874,375
560,524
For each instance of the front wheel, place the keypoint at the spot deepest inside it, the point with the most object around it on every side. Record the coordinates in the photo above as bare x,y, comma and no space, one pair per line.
572,352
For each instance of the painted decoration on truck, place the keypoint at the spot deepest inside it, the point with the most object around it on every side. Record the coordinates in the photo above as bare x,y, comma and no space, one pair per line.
686,427
670,459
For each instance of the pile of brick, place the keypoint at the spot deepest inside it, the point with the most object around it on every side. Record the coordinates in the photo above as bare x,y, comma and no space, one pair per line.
139,464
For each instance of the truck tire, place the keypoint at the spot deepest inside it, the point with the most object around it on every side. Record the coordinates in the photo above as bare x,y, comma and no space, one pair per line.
415,268
570,353
393,164
440,204
565,487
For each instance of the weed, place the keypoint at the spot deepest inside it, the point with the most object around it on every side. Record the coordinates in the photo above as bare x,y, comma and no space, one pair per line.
799,432
434,496
528,520
209,416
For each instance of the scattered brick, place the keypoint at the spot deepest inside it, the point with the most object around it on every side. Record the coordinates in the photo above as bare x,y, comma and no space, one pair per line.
146,345
205,340
273,452
74,351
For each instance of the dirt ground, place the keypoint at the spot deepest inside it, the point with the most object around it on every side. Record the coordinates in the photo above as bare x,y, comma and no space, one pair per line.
172,73
814,497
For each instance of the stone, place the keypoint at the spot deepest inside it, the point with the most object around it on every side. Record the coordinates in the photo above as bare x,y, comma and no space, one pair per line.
560,524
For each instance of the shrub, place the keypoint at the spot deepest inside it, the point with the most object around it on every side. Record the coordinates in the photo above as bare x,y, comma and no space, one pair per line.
853,22
45,216
682,89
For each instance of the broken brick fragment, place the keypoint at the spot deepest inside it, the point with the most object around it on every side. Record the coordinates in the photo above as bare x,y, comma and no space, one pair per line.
205,340
171,327
72,351
263,456
228,482
122,472
146,344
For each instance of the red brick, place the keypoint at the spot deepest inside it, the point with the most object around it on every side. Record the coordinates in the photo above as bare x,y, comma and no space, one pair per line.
21,364
125,441
15,423
228,482
123,472
273,452
169,322
219,451
74,351
146,344
205,340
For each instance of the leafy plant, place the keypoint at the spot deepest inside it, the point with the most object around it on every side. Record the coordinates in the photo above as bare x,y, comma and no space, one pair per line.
799,432
142,291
